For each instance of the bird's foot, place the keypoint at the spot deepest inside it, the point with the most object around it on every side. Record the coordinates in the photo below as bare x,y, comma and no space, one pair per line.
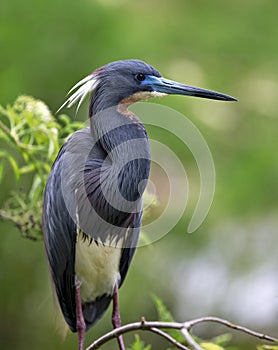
80,322
116,318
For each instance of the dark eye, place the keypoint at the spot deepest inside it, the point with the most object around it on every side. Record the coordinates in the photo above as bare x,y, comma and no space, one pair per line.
140,76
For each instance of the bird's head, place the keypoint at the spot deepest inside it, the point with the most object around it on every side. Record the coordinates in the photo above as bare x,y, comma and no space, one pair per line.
129,81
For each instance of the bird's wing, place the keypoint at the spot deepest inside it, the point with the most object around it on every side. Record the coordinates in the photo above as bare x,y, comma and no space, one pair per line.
59,232
130,245
74,201
59,219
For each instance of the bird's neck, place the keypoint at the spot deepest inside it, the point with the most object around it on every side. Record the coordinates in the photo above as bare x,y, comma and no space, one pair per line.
124,140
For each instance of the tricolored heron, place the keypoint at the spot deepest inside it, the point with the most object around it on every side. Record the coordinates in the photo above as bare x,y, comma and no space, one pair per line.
93,199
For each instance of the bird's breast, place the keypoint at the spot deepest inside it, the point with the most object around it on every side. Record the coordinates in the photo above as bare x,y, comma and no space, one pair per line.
96,268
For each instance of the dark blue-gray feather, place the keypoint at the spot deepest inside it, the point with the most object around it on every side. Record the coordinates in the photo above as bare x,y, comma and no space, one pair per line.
72,185
60,237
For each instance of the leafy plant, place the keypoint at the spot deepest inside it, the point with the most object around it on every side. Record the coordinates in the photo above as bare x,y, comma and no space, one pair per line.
30,139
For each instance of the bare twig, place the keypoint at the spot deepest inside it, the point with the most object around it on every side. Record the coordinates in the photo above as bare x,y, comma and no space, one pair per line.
228,324
168,337
190,340
156,326
143,325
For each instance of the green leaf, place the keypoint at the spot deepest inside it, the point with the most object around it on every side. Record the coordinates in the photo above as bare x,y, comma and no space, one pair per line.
139,344
210,346
1,171
222,339
27,169
163,314
3,135
36,189
14,165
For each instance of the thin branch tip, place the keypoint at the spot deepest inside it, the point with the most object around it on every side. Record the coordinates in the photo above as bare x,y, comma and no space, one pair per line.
158,327
143,321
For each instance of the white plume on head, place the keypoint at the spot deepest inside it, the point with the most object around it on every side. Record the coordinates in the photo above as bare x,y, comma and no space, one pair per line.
86,85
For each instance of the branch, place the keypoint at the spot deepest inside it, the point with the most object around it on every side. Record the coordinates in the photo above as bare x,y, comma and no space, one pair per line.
189,339
185,328
228,324
168,337
143,325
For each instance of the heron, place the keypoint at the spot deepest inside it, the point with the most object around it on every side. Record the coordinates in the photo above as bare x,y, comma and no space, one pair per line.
92,208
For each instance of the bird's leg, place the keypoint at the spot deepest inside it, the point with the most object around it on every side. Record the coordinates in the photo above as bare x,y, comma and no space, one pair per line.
116,319
80,323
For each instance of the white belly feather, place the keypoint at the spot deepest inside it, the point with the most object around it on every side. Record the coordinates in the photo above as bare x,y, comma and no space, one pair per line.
96,268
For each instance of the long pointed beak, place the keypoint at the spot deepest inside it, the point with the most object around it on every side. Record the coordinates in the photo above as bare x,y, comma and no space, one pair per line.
163,85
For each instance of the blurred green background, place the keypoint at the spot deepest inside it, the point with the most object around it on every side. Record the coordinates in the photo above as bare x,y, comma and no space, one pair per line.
228,267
